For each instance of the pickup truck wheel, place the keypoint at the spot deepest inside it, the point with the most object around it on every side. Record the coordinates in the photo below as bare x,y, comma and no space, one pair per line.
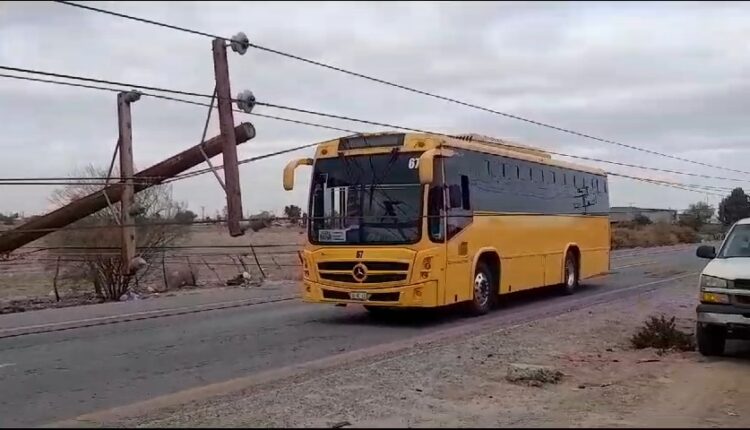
711,339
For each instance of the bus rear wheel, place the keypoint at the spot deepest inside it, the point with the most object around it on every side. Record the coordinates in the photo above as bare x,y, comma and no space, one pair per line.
571,275
484,294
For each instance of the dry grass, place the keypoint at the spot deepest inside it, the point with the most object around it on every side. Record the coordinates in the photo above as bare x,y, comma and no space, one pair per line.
632,236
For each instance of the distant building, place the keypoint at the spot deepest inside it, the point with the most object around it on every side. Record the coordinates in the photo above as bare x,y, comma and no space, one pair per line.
625,214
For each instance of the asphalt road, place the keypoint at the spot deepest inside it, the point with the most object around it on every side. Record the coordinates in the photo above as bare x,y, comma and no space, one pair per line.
53,376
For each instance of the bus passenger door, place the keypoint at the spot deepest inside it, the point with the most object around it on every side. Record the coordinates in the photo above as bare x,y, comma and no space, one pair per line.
458,273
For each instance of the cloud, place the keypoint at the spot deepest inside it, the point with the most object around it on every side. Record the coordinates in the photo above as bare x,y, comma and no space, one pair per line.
670,77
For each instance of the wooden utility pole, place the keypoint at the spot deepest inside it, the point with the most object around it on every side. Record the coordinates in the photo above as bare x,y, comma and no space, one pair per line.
226,125
124,99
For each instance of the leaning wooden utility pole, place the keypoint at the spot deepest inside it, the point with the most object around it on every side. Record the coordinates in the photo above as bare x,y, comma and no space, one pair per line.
226,125
124,99
245,101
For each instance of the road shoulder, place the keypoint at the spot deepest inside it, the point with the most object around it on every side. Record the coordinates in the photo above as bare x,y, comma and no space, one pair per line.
463,383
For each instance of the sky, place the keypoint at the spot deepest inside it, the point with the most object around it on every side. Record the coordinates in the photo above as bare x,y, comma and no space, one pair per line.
670,77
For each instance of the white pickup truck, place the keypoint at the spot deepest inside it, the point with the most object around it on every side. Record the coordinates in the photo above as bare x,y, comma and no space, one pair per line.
724,309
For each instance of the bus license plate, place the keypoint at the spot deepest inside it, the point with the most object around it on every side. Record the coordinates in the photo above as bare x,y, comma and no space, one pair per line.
357,295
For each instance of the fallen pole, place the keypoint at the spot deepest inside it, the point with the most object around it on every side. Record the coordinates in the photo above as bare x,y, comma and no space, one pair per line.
94,202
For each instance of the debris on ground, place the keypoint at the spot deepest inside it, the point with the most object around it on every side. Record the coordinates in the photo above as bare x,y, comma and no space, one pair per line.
662,333
128,296
243,279
533,375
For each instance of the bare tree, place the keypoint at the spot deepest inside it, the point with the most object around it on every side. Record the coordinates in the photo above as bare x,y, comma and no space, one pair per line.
90,248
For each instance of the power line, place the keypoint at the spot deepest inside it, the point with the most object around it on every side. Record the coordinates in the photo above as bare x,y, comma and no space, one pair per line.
243,161
407,88
158,96
102,81
143,20
298,110
508,144
686,187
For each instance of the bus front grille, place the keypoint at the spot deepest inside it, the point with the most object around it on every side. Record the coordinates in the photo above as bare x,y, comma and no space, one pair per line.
371,279
364,272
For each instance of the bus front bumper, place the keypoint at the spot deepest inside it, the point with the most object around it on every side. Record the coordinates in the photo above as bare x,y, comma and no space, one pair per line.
424,294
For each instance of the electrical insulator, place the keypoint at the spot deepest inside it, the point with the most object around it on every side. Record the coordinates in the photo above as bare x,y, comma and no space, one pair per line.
240,43
132,96
246,101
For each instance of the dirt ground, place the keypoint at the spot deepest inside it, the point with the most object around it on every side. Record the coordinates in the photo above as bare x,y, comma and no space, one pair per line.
462,384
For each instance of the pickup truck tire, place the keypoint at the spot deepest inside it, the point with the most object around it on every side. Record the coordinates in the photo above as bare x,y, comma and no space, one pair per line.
711,339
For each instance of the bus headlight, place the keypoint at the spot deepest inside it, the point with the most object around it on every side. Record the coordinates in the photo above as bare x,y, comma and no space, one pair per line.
427,263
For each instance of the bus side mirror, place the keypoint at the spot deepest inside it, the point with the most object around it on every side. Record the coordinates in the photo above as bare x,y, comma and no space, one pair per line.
426,165
289,171
426,173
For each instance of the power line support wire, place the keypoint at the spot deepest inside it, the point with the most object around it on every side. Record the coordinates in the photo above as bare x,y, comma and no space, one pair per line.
226,125
203,144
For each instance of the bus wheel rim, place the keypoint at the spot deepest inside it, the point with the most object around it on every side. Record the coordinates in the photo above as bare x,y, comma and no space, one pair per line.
481,288
571,275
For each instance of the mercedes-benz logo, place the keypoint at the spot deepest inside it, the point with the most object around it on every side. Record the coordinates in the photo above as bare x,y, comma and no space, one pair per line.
359,272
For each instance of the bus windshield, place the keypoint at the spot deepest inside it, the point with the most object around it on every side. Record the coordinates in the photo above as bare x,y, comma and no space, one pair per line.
366,199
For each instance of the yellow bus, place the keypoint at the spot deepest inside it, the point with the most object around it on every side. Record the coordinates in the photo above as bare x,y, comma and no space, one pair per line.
422,220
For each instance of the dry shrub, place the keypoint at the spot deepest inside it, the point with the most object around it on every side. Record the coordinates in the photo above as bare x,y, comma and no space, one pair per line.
89,248
660,234
662,333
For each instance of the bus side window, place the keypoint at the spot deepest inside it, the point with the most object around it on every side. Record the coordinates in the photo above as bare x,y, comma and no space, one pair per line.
503,170
518,172
465,197
554,178
565,179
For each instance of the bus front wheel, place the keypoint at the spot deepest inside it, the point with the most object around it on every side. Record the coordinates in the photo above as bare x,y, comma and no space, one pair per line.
484,291
571,276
